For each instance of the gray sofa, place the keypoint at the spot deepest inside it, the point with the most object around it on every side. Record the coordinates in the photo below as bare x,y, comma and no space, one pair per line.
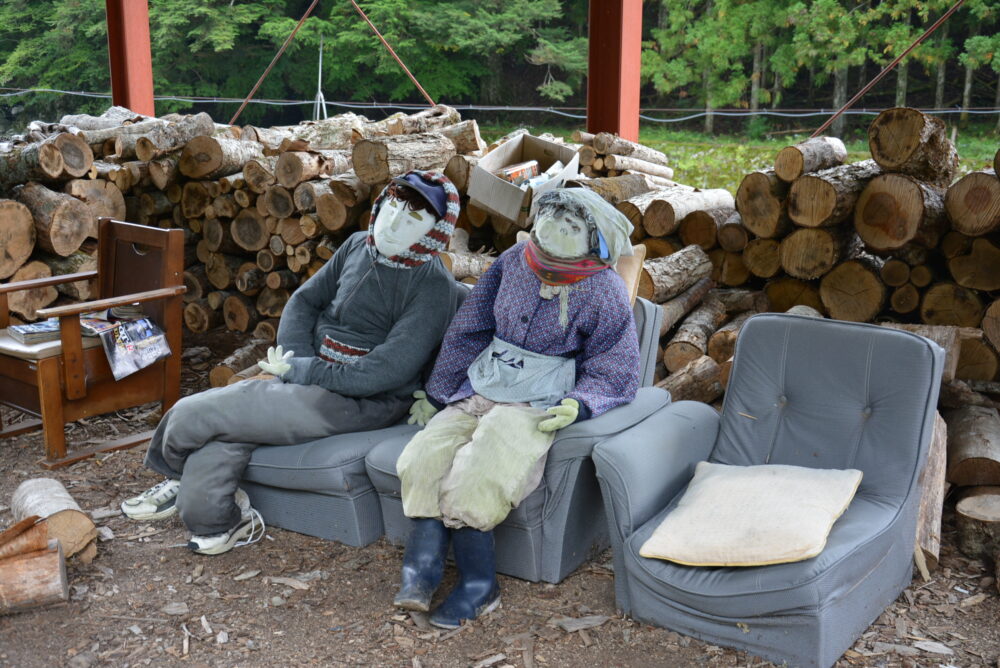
803,392
561,524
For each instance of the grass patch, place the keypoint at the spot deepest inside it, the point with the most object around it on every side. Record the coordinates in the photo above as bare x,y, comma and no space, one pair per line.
721,161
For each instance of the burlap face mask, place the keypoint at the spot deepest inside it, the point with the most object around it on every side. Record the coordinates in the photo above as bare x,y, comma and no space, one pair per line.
397,227
561,234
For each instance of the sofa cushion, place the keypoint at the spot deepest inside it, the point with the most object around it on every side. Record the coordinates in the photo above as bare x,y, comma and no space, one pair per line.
330,465
752,515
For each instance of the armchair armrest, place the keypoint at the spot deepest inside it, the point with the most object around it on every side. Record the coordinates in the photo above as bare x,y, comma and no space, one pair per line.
643,468
110,302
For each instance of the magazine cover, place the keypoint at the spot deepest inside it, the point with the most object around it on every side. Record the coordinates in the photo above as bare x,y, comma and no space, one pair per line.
134,345
46,330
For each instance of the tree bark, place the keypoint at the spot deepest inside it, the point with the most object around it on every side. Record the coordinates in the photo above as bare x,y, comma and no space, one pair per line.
243,357
617,189
610,144
259,173
33,579
933,486
666,277
221,269
722,343
103,198
973,446
910,142
295,167
17,236
464,136
19,164
691,340
459,168
72,264
62,222
682,304
207,157
48,499
828,197
702,227
664,214
165,138
699,380
812,155
378,160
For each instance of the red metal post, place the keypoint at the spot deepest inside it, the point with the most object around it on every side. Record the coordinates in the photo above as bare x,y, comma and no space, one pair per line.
130,55
613,78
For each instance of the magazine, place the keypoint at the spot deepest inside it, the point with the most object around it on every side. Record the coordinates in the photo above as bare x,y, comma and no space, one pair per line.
36,332
134,345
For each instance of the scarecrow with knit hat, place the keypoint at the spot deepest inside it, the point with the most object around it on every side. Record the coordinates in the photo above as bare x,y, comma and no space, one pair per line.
546,338
351,345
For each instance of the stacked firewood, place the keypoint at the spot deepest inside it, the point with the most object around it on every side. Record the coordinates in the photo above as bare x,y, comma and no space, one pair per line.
605,154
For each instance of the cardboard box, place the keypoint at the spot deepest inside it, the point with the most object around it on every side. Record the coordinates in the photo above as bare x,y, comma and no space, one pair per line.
504,199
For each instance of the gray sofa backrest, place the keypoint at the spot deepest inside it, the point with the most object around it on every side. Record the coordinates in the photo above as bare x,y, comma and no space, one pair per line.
830,394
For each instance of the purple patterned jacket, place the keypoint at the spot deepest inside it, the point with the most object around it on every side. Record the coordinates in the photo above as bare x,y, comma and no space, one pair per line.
505,303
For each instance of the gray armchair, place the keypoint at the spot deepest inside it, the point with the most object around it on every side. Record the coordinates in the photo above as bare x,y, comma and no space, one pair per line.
803,392
561,523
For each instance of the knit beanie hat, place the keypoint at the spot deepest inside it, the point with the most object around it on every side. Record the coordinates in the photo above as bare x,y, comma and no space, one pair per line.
432,243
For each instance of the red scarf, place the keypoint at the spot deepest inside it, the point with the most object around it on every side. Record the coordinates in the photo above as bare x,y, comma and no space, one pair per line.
554,271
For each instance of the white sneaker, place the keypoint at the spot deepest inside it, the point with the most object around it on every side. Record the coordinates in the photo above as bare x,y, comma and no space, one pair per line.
249,530
156,503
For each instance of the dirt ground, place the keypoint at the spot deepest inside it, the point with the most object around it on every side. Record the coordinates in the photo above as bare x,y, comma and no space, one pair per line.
294,600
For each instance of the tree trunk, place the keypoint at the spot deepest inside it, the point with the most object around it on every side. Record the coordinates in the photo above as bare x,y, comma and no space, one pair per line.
334,213
62,222
895,273
635,207
294,167
913,143
250,279
699,380
33,579
809,253
977,518
165,138
458,170
701,227
691,340
666,277
950,304
761,201
681,305
756,75
762,257
905,299
722,343
973,446
305,195
19,164
839,99
973,203
737,300
610,144
72,264
211,157
728,268
270,303
828,197
220,240
618,189
48,499
895,209
785,292
17,236
239,313
464,136
732,235
259,173
279,202
200,317
853,290
266,330
664,214
933,486
812,155
425,120
378,160
194,199
103,198
976,361
942,69
980,269
221,269
242,358
163,172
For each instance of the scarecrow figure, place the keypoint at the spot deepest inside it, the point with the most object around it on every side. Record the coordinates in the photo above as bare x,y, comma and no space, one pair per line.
546,338
356,334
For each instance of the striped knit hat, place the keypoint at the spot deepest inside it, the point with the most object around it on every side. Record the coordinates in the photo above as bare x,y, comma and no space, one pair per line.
432,243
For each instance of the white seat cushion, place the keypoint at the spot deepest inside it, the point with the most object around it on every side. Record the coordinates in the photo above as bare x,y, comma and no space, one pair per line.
752,515
36,351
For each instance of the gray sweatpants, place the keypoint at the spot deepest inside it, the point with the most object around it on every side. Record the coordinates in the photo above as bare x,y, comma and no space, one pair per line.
206,439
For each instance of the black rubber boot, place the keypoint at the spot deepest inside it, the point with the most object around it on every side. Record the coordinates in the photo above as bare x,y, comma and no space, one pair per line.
477,591
423,564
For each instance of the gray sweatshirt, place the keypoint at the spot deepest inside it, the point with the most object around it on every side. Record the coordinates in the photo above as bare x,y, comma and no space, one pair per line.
398,315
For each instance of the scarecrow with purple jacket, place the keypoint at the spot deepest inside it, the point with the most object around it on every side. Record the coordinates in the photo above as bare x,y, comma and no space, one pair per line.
547,338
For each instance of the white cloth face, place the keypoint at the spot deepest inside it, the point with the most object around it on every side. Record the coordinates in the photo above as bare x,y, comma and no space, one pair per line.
397,227
562,234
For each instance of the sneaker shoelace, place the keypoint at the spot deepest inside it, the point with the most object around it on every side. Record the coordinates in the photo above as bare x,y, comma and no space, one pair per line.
257,529
153,492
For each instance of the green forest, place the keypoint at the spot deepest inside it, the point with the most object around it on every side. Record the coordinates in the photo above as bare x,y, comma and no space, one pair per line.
697,55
